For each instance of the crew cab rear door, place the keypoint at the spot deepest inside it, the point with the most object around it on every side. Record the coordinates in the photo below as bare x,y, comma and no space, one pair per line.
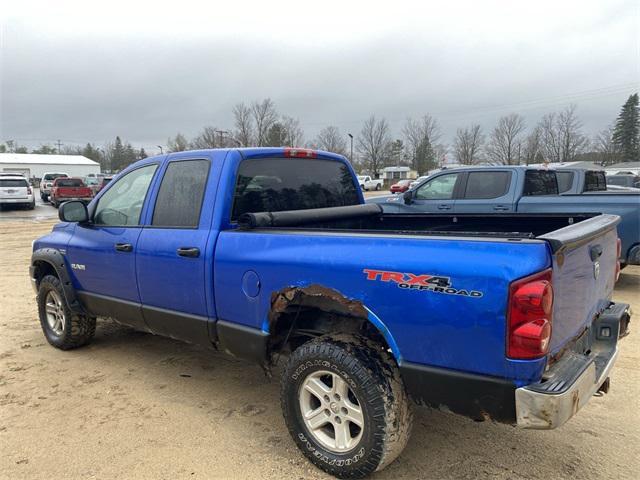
486,191
175,250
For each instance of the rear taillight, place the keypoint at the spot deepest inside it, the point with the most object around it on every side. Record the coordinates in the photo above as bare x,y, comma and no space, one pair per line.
529,316
300,153
618,255
29,191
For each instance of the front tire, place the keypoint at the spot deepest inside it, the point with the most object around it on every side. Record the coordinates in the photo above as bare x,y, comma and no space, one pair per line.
62,328
345,405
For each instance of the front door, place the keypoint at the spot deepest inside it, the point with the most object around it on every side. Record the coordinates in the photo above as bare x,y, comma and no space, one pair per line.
436,195
173,253
102,253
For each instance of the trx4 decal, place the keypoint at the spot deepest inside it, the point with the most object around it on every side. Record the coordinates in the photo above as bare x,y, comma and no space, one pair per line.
411,281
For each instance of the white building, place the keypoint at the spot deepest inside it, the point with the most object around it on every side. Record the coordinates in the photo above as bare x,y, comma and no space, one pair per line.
398,173
34,165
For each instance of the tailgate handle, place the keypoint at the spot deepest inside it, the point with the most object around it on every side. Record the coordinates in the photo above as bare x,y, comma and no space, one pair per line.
595,252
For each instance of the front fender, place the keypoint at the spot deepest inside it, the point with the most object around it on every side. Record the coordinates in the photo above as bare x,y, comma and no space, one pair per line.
53,258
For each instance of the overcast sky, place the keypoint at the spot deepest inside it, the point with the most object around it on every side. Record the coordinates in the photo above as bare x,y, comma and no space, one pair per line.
77,72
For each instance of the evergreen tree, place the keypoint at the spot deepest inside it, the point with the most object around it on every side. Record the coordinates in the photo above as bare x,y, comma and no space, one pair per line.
118,155
626,133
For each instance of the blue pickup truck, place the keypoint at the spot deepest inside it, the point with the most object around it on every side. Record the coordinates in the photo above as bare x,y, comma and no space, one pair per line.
521,189
271,255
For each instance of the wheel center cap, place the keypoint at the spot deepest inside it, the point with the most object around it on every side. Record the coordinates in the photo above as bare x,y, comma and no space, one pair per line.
334,407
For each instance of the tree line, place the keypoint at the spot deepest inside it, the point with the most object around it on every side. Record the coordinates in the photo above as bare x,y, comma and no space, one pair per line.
557,137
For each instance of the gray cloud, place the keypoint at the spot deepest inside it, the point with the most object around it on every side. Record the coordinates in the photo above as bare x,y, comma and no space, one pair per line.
147,86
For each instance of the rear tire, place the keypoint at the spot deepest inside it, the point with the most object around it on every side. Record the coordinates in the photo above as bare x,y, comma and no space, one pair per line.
324,423
377,186
62,328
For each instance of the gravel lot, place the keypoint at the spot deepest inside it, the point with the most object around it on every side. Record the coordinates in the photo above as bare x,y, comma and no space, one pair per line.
133,405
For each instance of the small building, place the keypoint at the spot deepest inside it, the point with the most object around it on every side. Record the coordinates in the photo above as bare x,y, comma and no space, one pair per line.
34,165
623,167
398,173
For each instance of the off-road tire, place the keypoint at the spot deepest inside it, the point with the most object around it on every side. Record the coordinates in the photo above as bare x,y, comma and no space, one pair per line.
375,380
78,329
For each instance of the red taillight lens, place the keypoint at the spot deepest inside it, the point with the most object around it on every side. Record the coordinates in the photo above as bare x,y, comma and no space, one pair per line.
29,191
529,316
618,255
300,153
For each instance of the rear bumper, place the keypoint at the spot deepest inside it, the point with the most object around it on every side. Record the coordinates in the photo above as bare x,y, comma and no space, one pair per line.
575,378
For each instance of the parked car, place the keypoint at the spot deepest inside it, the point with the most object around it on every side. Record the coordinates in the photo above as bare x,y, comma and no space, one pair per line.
400,187
507,318
368,183
624,180
47,182
520,189
418,181
15,190
65,189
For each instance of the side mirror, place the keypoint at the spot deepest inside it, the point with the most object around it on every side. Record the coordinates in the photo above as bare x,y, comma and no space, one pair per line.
407,197
73,211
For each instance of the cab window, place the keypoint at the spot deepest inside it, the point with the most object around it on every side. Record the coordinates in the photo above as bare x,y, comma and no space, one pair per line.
121,205
440,188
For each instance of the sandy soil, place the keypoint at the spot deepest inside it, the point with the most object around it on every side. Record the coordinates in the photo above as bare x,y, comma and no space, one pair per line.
133,405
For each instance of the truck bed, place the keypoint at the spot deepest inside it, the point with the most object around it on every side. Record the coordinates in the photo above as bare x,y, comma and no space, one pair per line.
370,219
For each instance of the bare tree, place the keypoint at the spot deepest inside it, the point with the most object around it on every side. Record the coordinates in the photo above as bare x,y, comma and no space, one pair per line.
532,147
208,138
177,144
264,116
331,140
504,143
605,147
373,143
573,141
468,145
294,135
562,137
244,132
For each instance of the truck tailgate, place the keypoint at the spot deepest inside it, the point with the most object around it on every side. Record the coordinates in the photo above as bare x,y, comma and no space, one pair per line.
73,192
584,273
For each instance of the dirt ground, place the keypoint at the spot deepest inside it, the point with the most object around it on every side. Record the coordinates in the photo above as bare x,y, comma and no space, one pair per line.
133,405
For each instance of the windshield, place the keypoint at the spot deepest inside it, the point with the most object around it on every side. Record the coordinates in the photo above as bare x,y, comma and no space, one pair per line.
53,176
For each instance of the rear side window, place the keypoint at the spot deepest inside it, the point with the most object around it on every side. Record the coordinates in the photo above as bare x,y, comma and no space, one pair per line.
594,181
487,184
71,182
278,184
13,183
180,196
540,182
565,180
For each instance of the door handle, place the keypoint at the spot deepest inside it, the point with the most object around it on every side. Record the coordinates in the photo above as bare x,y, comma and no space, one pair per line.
500,208
444,207
124,247
189,252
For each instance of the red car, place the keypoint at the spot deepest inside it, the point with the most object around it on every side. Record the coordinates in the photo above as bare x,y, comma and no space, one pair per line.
401,187
65,189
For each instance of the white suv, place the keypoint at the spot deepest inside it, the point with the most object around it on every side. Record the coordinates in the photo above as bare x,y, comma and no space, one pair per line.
15,190
47,182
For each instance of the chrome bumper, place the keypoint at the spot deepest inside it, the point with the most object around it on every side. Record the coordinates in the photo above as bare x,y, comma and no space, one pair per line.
548,410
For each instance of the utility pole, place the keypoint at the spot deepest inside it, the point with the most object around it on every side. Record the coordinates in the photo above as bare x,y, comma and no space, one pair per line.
351,156
222,133
59,146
